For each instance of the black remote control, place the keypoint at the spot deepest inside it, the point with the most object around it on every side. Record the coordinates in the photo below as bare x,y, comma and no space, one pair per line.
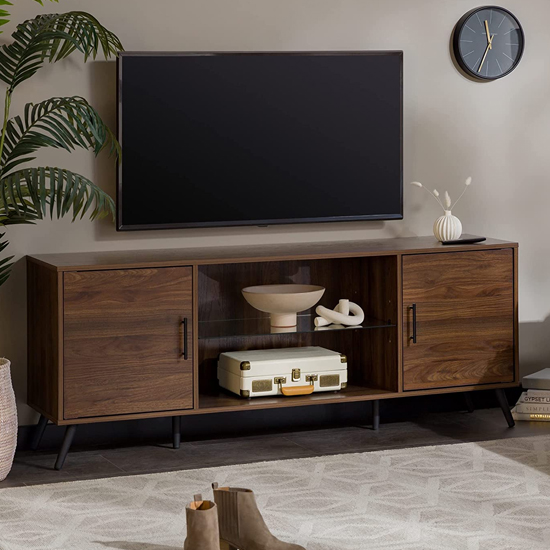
468,240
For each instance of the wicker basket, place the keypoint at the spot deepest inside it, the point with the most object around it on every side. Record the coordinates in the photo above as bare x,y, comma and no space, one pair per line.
8,420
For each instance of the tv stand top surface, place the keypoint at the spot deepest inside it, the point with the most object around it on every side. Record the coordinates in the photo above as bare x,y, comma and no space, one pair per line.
82,261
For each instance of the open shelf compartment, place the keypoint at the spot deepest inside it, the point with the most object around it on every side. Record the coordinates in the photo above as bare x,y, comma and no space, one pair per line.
226,322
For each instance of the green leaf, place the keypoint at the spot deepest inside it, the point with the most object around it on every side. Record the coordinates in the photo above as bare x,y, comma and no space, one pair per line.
53,37
59,122
31,193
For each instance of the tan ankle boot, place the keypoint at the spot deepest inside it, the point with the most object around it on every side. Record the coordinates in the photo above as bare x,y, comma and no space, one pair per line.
242,526
202,525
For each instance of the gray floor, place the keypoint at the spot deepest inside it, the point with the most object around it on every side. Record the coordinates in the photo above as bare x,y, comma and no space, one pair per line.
432,429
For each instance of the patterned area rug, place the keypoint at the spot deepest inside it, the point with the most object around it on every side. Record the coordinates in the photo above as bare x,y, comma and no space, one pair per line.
473,496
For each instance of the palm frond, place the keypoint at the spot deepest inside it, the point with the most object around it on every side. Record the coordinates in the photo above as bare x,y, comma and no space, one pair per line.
14,219
33,193
5,266
59,122
5,13
12,216
53,37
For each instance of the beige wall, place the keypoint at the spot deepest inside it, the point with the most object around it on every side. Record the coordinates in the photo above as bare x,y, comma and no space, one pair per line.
499,132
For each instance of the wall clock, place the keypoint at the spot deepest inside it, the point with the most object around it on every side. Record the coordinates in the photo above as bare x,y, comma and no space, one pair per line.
488,43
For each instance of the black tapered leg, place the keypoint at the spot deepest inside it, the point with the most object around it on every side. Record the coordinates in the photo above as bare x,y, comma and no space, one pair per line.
375,414
469,402
39,432
65,446
503,402
176,431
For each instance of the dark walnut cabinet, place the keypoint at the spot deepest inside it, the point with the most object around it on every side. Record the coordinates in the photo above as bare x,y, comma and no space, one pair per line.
462,304
124,341
129,335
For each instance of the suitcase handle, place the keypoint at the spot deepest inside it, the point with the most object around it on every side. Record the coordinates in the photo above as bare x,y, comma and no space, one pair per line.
298,390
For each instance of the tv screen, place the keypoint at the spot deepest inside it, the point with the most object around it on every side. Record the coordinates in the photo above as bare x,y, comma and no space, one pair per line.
222,139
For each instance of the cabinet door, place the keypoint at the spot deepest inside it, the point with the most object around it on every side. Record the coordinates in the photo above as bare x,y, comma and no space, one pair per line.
124,340
464,305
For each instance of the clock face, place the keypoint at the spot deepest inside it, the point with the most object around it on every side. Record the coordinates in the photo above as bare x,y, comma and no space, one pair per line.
488,43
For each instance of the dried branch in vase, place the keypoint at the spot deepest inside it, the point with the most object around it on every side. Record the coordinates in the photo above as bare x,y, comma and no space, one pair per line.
448,204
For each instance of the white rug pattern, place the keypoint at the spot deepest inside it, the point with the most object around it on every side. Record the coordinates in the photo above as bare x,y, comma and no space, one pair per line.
471,496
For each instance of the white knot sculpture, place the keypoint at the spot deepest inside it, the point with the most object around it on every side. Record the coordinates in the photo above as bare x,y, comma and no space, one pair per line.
345,313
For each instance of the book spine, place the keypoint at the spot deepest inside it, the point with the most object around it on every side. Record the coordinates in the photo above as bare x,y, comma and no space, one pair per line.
533,408
532,417
535,396
527,397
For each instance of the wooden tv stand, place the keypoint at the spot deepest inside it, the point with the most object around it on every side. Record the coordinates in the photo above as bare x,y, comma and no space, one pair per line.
136,334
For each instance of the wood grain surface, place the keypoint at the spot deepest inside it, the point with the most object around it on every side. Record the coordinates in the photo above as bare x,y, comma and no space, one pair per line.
465,319
44,340
124,342
81,261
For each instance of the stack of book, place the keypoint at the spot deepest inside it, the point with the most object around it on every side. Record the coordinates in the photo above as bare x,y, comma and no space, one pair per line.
534,404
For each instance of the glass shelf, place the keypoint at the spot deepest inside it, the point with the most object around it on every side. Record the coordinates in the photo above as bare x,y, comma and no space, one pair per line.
232,328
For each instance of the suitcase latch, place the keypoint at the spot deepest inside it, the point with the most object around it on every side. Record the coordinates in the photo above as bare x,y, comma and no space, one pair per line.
280,380
296,375
311,378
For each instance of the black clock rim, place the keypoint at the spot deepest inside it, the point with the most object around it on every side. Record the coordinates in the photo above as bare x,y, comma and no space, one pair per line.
456,44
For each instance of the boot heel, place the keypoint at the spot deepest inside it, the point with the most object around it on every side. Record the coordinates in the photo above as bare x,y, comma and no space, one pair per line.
224,545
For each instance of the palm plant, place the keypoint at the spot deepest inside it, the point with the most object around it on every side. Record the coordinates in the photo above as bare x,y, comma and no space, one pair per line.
28,194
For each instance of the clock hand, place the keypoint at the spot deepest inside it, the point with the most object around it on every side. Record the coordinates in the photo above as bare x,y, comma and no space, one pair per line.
489,38
485,54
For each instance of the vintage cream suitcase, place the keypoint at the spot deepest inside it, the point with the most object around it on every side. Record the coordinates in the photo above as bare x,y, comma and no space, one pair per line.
290,371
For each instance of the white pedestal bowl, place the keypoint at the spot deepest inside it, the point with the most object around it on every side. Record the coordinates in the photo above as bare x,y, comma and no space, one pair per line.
283,302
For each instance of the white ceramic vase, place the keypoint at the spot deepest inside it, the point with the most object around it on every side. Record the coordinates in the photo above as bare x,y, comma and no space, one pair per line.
447,227
8,420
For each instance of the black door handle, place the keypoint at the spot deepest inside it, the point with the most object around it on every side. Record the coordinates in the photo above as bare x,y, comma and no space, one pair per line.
413,337
185,353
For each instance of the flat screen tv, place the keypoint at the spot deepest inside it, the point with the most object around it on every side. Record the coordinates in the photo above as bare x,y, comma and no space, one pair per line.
224,139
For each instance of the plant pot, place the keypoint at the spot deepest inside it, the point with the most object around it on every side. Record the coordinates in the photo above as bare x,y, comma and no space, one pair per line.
8,420
447,227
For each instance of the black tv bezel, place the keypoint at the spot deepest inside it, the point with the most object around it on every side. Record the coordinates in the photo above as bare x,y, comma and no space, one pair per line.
283,221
